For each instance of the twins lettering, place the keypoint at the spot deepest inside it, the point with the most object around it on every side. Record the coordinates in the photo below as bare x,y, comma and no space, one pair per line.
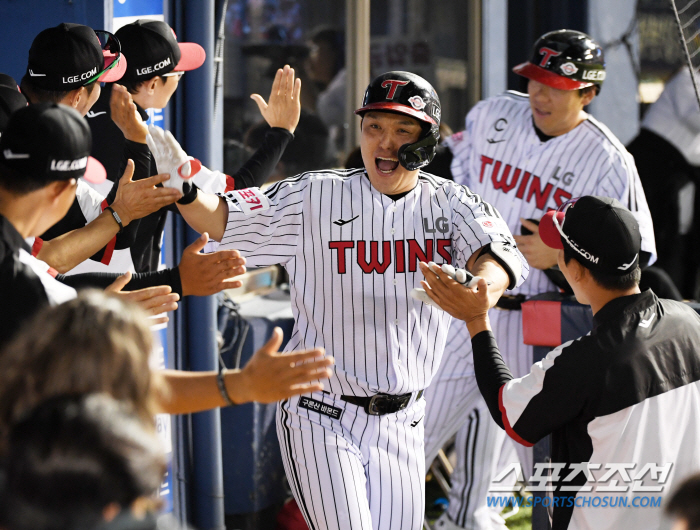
403,254
528,186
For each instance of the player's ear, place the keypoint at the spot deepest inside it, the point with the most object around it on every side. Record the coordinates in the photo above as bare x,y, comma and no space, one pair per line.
587,95
72,99
151,84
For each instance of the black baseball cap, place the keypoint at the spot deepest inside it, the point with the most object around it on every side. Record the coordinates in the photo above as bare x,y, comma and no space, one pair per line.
152,48
603,234
72,55
47,142
11,99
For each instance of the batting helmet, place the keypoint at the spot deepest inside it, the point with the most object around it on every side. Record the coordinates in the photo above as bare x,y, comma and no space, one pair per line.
409,94
565,59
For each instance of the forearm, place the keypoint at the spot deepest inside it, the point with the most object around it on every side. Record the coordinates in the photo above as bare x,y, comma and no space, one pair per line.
208,213
489,269
257,169
67,251
142,280
191,392
490,369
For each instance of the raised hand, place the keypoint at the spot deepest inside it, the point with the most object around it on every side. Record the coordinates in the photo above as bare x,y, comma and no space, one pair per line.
125,116
171,158
272,376
284,107
205,274
153,300
137,199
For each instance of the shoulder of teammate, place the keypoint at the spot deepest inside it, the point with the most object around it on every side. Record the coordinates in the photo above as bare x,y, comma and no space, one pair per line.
284,193
477,223
532,409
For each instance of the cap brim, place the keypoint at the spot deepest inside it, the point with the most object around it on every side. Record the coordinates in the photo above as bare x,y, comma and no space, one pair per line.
113,74
548,232
192,56
399,108
544,76
95,172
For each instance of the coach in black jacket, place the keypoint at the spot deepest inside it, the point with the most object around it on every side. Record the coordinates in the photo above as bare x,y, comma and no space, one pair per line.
624,400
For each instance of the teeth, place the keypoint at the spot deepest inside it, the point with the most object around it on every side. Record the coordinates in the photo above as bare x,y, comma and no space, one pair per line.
389,159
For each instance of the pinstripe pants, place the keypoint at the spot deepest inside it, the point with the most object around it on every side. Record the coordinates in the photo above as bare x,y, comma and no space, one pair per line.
454,405
358,472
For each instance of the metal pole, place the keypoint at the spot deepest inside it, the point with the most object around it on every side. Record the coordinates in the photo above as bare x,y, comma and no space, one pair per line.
356,65
474,51
203,141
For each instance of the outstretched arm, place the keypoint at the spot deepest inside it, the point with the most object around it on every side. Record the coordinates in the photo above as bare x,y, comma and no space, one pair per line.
134,200
269,376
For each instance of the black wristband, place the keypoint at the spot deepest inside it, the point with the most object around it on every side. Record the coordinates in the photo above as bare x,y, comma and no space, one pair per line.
222,388
116,217
190,196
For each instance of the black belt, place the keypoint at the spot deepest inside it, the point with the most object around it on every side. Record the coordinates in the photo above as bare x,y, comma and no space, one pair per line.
380,404
511,302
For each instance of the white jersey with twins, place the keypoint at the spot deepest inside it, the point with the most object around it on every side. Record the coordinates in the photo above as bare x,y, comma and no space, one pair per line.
501,157
352,256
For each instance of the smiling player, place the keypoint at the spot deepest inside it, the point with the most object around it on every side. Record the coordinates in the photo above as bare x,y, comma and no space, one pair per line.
351,241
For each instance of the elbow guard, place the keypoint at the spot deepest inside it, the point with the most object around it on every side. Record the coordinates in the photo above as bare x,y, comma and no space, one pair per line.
507,257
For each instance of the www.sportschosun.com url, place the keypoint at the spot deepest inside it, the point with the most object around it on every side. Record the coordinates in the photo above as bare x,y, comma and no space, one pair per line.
583,501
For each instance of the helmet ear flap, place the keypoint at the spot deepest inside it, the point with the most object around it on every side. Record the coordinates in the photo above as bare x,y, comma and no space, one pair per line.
421,153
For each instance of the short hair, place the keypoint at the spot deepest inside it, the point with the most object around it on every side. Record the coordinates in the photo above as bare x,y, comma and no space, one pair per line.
12,181
72,456
134,85
93,344
685,502
40,95
611,282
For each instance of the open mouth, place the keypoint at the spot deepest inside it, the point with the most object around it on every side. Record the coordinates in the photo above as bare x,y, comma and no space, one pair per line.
386,165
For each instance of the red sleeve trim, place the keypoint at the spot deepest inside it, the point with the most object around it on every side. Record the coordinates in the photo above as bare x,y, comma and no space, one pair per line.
53,272
506,424
109,248
36,247
230,184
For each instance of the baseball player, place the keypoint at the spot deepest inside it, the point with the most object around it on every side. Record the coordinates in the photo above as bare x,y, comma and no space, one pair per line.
524,154
625,396
351,241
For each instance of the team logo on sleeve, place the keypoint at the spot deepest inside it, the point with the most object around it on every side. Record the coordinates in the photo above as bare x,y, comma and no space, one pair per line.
251,200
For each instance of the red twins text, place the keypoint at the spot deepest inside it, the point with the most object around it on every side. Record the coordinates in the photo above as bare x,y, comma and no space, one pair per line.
404,254
506,178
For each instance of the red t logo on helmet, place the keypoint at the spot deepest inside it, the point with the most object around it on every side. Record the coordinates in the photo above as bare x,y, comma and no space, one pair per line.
393,84
548,54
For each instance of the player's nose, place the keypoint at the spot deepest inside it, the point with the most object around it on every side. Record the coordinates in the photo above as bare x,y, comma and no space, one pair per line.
387,141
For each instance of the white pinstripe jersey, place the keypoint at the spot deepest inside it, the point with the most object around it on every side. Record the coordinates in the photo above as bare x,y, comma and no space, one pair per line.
500,157
352,256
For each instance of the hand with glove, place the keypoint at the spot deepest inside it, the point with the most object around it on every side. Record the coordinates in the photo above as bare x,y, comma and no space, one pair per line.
171,158
461,276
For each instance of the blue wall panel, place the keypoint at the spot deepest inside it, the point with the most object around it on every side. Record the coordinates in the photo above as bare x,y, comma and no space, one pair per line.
24,19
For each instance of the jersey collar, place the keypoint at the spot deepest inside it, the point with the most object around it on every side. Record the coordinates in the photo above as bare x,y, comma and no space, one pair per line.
624,304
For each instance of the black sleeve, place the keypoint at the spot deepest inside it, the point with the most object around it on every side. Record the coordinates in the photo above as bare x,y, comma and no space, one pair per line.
257,169
491,372
139,280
